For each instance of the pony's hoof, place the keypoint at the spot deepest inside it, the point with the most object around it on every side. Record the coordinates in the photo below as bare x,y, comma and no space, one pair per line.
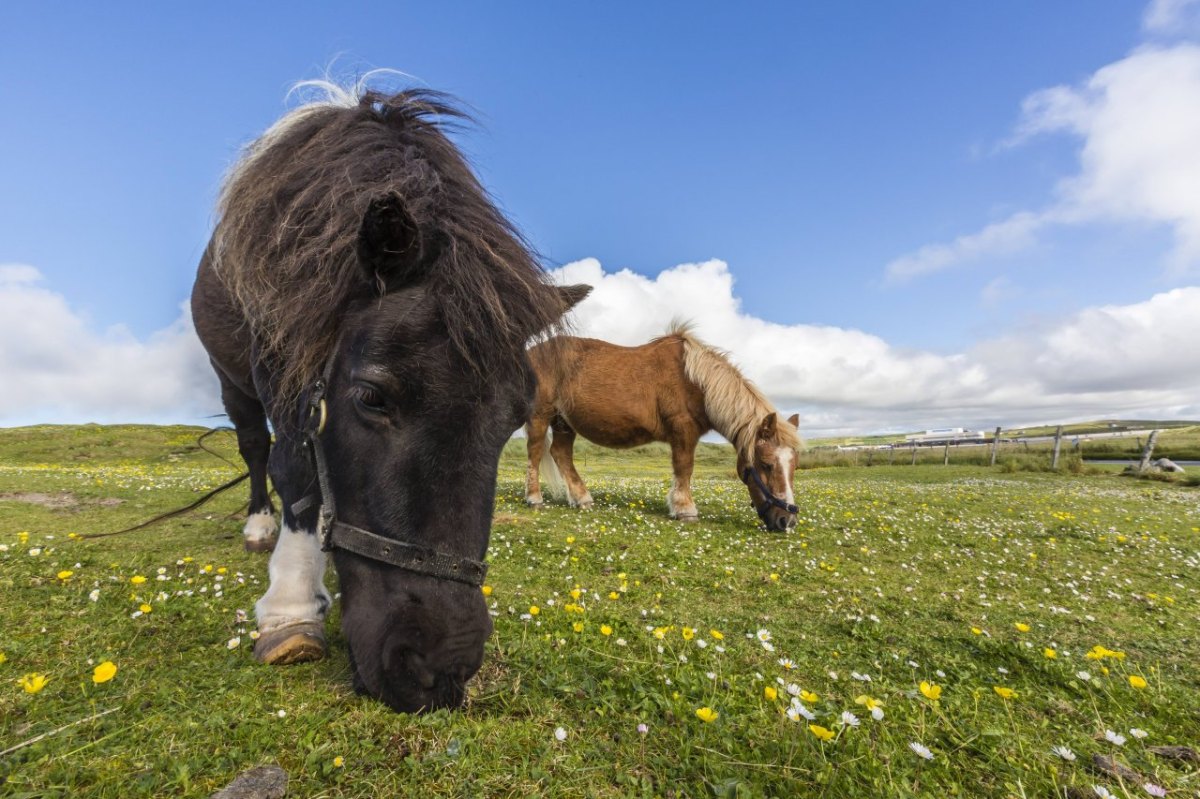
586,505
688,517
296,643
535,505
260,544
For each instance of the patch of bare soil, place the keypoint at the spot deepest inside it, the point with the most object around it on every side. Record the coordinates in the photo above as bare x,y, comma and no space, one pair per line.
63,501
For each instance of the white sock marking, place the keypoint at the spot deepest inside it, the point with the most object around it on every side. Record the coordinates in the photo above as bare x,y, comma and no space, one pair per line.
297,592
260,526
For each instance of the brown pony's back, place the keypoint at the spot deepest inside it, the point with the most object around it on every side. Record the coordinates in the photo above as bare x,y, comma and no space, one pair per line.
618,396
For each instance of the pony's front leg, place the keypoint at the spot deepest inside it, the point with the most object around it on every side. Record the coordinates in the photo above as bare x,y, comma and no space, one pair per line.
680,504
291,615
535,448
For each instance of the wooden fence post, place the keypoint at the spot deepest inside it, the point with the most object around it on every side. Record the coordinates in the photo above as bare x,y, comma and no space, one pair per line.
1148,452
946,455
870,456
914,459
1057,444
995,445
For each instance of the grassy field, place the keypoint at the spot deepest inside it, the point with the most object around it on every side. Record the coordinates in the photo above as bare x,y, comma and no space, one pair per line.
979,617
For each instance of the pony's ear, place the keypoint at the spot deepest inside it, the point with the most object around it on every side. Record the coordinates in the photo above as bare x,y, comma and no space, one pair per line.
389,243
570,296
794,420
766,430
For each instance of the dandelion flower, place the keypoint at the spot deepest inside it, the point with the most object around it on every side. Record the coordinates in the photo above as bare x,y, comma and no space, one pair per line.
688,633
613,595
33,682
931,691
706,714
1022,627
577,626
808,696
1049,653
65,575
339,761
534,610
1004,693
976,631
921,750
1137,681
717,635
487,590
137,579
821,732
104,672
145,608
605,629
770,693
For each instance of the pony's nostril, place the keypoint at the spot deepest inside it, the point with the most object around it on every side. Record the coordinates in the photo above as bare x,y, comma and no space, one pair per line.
420,672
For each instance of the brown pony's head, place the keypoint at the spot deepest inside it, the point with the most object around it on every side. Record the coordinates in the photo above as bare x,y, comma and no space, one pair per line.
769,476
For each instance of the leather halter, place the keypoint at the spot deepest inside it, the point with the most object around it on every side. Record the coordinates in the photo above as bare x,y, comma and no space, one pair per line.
335,534
770,500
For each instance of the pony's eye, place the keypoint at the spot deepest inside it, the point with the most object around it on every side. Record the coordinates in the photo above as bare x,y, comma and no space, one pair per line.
369,398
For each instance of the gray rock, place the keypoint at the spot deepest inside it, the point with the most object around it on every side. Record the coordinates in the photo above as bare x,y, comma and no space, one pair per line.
263,782
1167,465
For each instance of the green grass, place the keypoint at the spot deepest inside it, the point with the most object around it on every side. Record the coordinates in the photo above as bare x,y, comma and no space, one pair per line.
889,575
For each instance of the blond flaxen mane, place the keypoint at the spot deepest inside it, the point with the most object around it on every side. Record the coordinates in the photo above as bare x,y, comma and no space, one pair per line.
733,404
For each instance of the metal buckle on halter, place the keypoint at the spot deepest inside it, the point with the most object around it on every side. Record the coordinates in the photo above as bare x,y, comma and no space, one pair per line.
317,407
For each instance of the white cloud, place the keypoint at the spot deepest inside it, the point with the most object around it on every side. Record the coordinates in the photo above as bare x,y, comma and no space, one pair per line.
1109,361
1137,359
54,368
1170,16
1138,121
1009,235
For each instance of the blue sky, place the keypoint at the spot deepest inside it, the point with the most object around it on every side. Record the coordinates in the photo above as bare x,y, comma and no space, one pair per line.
806,146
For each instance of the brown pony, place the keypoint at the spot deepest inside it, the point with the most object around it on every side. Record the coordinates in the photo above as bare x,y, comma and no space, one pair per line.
675,389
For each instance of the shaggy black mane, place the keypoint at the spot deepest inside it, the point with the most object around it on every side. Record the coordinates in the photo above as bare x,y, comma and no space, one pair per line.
289,218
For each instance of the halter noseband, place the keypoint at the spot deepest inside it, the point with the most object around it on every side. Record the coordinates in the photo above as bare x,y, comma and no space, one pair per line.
339,535
770,500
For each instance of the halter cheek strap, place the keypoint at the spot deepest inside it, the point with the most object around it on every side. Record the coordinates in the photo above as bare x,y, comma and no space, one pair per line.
770,500
334,534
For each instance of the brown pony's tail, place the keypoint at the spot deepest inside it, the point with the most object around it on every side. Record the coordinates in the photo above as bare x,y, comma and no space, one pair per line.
556,486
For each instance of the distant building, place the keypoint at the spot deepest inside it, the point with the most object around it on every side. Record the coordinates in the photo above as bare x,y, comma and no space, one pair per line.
943,435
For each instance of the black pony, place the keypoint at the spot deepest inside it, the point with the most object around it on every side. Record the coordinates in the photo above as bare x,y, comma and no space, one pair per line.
363,293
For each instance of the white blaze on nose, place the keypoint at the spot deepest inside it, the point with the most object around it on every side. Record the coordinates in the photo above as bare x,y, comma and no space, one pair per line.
785,457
